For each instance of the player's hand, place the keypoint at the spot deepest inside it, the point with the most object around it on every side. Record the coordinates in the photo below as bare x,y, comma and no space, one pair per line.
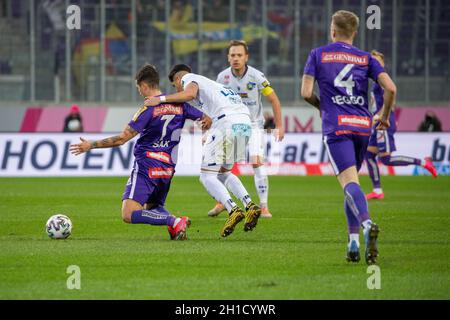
376,118
206,122
152,101
383,124
278,132
82,147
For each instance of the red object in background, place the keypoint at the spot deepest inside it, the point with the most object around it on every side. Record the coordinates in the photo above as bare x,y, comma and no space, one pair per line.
31,120
235,170
74,109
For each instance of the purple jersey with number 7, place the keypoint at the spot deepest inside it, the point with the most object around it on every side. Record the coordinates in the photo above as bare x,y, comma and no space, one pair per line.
342,72
160,128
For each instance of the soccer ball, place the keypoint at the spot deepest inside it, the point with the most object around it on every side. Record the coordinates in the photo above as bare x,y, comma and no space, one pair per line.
58,226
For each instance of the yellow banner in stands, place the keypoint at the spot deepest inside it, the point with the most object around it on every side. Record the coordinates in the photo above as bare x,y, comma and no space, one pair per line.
215,35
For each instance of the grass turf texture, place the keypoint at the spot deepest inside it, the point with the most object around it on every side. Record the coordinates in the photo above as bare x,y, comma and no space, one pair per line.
298,254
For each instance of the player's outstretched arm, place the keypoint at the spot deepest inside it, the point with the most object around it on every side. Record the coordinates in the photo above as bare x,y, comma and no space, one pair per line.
85,145
307,91
390,92
276,108
188,94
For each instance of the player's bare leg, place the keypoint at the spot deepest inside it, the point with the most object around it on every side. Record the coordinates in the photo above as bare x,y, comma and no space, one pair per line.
356,206
128,206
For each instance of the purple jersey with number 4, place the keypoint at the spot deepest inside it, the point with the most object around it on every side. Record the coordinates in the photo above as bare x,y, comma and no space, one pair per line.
342,72
160,128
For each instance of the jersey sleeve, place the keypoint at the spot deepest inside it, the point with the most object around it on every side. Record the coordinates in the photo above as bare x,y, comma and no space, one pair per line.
310,67
220,78
188,78
375,69
263,84
141,118
192,113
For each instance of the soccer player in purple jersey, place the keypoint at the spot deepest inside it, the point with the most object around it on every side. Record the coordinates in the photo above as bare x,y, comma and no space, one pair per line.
155,158
382,143
342,72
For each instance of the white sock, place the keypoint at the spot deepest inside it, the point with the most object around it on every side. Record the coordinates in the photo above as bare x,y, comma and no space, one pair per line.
262,184
353,236
217,190
366,224
235,186
378,190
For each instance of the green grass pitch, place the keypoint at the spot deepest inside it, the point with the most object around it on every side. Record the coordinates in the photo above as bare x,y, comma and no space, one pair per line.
298,254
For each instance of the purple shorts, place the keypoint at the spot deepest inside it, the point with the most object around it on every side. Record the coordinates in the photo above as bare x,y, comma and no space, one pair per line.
149,182
346,150
383,140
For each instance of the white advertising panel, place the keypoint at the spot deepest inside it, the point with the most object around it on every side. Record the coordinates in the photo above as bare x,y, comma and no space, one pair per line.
38,154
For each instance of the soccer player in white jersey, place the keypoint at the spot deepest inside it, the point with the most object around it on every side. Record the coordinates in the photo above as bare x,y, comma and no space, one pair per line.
251,84
225,142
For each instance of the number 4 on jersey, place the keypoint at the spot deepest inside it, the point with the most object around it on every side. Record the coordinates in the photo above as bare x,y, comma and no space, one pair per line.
348,84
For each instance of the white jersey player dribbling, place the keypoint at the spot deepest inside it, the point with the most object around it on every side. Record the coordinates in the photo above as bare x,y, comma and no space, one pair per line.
225,143
251,85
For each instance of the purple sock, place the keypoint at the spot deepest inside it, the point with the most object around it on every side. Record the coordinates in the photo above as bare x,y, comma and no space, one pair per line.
400,161
374,171
352,220
356,201
155,216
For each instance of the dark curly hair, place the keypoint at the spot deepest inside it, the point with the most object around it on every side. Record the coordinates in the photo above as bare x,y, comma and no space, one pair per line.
149,75
177,68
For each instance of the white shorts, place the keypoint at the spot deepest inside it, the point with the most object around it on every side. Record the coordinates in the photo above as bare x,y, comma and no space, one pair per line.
258,141
227,141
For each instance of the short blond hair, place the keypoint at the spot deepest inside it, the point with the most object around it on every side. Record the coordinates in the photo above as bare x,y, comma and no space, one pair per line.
345,22
378,54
